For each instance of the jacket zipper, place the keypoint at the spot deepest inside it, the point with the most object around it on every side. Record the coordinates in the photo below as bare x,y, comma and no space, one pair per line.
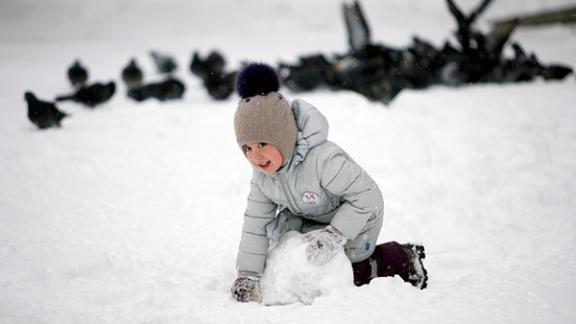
291,201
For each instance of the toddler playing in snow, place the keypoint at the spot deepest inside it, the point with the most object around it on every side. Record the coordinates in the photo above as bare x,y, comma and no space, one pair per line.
303,182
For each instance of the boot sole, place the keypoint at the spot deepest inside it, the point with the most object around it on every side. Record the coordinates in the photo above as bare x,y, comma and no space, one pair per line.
420,277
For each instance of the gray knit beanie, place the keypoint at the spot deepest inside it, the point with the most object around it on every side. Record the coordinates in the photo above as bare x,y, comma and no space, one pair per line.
263,114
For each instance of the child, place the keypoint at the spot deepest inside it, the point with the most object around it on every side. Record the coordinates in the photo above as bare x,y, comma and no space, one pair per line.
302,181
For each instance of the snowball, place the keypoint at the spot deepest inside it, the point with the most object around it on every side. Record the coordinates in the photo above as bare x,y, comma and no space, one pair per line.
290,278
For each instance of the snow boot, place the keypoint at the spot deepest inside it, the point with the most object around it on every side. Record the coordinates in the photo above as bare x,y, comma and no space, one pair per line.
417,274
390,259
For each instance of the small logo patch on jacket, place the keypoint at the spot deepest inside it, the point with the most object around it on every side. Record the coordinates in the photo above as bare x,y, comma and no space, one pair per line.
310,197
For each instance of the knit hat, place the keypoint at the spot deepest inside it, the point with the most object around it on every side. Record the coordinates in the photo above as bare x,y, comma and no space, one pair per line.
263,114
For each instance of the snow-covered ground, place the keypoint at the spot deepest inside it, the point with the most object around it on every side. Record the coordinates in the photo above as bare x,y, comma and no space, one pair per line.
131,213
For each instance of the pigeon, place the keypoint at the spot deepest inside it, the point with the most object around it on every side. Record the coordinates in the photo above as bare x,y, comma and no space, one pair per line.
132,75
220,85
164,63
77,74
556,72
91,95
311,72
43,114
197,66
356,26
168,89
465,32
214,63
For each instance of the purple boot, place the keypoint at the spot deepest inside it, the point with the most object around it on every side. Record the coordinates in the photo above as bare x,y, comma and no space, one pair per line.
390,259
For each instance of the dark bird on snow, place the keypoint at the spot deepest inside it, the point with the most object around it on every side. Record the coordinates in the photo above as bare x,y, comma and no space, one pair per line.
214,63
132,75
164,63
310,73
220,85
91,95
356,26
43,114
77,74
556,72
168,89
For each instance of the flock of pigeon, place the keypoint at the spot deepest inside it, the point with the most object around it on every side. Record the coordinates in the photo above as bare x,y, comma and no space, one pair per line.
210,69
380,72
376,71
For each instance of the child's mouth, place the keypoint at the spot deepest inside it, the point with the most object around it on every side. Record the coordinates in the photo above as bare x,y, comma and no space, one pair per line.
264,165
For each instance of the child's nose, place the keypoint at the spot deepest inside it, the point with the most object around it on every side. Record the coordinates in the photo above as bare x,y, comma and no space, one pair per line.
256,155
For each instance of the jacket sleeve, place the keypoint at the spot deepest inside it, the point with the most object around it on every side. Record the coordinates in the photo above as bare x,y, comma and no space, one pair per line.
254,243
359,194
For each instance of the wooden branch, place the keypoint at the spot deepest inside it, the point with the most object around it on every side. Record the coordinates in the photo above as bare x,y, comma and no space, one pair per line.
563,16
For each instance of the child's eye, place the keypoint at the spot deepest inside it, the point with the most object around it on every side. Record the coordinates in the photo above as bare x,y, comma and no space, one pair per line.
261,145
246,149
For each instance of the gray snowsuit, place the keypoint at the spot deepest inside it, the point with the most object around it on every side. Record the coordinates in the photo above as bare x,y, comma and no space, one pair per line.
320,184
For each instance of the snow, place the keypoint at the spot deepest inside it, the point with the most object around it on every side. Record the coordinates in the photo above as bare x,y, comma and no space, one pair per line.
289,277
131,213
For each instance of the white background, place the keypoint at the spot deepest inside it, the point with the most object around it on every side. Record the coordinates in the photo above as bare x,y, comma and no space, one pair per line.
131,213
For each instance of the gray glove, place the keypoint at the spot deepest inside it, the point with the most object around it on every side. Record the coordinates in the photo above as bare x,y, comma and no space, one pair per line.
323,244
246,288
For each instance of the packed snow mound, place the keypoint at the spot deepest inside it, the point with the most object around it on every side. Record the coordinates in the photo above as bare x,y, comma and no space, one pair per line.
290,278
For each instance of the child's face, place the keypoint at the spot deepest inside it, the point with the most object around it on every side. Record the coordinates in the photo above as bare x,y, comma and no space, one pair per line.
265,157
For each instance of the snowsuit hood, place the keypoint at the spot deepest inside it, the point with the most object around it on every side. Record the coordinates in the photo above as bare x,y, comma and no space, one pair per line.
312,131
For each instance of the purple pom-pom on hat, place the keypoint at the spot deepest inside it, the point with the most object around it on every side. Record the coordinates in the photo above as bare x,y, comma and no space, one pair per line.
257,79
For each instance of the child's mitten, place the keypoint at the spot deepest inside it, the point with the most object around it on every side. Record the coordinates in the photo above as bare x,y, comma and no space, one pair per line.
323,244
246,288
